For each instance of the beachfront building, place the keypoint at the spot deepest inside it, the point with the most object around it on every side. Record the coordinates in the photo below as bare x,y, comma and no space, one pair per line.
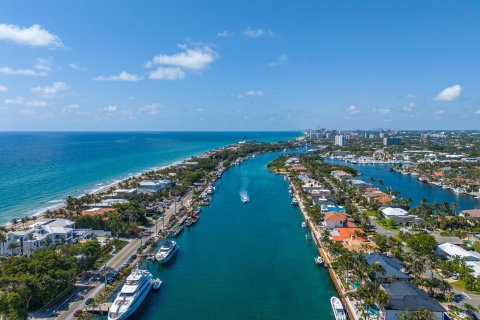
391,141
41,235
152,186
406,297
124,192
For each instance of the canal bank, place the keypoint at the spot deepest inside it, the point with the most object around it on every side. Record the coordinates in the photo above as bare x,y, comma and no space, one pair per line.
243,260
410,186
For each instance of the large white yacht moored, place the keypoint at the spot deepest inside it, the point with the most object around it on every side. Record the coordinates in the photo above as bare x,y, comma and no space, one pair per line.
338,310
132,294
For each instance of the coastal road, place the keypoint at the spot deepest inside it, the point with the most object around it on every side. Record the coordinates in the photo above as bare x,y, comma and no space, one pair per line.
93,288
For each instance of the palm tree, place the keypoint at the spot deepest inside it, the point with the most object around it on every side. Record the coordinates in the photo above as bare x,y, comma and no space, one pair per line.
3,239
14,221
450,296
380,182
469,309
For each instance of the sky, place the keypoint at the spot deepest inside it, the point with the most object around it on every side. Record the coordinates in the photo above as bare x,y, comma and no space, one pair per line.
239,65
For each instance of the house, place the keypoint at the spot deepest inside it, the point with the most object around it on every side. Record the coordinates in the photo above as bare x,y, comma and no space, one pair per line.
96,211
450,251
319,200
107,203
394,269
390,212
124,192
472,213
154,185
336,219
406,297
41,235
342,234
337,174
332,208
406,220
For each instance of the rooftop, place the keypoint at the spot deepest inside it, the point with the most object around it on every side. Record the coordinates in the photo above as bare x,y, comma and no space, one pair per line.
407,296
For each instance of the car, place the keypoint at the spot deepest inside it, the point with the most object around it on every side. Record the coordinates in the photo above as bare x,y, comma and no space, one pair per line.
133,257
77,313
88,301
454,276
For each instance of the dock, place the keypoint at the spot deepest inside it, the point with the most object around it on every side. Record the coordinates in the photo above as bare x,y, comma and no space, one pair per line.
101,308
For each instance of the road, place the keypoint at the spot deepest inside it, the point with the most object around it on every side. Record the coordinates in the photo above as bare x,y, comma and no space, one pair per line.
95,285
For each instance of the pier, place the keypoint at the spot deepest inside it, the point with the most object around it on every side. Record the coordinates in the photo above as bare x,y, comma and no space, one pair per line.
101,308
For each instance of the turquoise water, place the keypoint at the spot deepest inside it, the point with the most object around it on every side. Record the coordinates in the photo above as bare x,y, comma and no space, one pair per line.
243,261
38,170
411,187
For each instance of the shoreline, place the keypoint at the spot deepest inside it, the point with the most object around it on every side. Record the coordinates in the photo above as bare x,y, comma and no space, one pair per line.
39,213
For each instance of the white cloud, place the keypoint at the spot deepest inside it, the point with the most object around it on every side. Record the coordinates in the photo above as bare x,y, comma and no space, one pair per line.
257,33
168,73
75,66
384,110
122,76
111,108
450,93
40,69
251,93
353,109
438,113
225,34
70,108
3,88
21,101
22,72
33,36
280,60
51,91
151,109
190,59
477,112
409,107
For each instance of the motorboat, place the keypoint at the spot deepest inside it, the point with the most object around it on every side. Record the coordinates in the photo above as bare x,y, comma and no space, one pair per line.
166,251
318,260
244,197
156,283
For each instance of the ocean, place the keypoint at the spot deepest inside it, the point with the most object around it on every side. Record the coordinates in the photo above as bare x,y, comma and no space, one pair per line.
39,169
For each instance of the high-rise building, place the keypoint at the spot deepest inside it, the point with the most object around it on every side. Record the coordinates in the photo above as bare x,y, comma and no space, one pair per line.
391,141
339,140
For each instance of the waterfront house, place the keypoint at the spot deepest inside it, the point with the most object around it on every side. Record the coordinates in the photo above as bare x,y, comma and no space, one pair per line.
338,174
151,186
336,219
394,268
107,203
472,213
405,297
124,192
342,234
96,211
41,235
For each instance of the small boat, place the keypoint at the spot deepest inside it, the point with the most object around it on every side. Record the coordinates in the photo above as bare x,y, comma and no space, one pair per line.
338,310
188,222
294,201
156,283
210,190
176,231
304,224
244,197
194,219
166,251
318,260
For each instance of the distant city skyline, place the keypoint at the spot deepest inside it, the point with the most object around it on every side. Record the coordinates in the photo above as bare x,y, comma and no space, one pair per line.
246,66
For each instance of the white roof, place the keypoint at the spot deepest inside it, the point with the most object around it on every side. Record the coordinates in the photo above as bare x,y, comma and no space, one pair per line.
475,265
453,250
394,211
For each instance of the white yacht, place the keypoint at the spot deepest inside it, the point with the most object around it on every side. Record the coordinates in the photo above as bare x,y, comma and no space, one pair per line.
166,251
338,310
133,292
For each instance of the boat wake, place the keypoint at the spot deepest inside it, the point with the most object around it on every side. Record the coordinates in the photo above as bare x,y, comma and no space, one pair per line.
244,196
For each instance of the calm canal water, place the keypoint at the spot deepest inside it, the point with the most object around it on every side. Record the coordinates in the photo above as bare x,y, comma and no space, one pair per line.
411,187
243,261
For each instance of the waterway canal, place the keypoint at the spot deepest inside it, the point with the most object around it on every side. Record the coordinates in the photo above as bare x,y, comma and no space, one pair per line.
410,186
243,260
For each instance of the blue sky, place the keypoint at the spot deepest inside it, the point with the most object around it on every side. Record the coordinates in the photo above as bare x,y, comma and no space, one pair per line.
239,65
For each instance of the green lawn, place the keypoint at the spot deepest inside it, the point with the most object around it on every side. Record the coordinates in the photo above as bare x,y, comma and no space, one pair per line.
460,285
